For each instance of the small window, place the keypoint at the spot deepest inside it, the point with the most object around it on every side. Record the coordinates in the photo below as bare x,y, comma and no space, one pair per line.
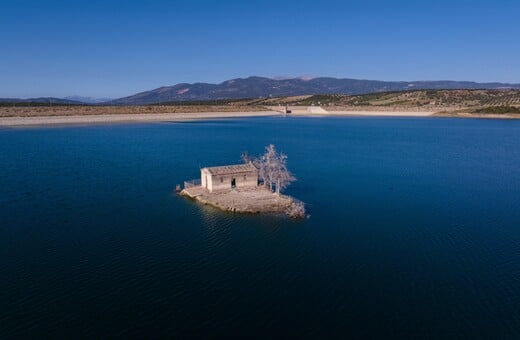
245,177
221,179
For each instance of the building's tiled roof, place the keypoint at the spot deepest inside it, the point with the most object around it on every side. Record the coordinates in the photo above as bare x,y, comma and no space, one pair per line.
232,169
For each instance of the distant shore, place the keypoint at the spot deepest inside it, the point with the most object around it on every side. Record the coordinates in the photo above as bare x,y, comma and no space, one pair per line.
40,119
367,111
373,113
125,118
376,113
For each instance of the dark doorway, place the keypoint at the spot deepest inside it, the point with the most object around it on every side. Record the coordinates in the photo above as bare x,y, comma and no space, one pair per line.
233,183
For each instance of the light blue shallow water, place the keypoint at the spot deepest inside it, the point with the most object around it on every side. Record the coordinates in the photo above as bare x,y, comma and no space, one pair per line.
414,231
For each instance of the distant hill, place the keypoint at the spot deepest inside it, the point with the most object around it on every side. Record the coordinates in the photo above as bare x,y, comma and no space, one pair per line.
501,101
88,100
36,101
259,87
435,99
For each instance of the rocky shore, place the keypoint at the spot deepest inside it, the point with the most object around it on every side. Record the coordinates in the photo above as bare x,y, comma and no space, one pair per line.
251,200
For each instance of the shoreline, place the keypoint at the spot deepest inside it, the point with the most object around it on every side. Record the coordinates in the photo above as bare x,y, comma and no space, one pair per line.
404,114
126,118
258,200
102,119
375,114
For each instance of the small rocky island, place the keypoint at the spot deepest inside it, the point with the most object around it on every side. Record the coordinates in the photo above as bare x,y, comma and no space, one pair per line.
252,187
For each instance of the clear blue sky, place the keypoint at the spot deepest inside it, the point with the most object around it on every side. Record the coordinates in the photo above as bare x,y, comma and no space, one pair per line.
109,48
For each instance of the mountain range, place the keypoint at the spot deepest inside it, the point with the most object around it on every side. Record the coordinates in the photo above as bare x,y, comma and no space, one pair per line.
261,87
41,100
71,100
88,100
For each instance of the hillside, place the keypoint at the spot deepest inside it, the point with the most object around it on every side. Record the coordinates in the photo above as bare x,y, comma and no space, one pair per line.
432,100
259,87
447,101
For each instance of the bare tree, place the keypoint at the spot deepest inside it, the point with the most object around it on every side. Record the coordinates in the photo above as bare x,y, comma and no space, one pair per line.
267,166
246,157
282,175
272,169
256,161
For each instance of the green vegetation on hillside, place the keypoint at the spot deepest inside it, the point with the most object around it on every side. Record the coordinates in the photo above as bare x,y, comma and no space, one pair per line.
498,109
433,99
441,101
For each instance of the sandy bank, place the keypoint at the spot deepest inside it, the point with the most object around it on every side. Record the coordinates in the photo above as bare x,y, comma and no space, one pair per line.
406,114
380,113
324,111
478,115
193,116
125,118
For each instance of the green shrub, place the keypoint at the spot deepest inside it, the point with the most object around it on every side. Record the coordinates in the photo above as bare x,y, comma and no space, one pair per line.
498,109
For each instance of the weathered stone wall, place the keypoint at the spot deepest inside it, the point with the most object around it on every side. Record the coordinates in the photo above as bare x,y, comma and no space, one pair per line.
205,179
223,182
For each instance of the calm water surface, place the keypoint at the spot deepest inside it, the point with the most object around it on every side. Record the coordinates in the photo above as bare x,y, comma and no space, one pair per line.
414,231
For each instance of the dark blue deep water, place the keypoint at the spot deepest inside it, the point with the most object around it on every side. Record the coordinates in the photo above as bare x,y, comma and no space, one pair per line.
414,231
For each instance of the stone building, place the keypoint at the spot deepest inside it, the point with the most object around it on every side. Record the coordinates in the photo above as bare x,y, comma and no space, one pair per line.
220,178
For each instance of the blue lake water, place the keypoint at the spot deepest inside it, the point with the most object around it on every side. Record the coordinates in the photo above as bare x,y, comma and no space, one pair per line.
414,231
